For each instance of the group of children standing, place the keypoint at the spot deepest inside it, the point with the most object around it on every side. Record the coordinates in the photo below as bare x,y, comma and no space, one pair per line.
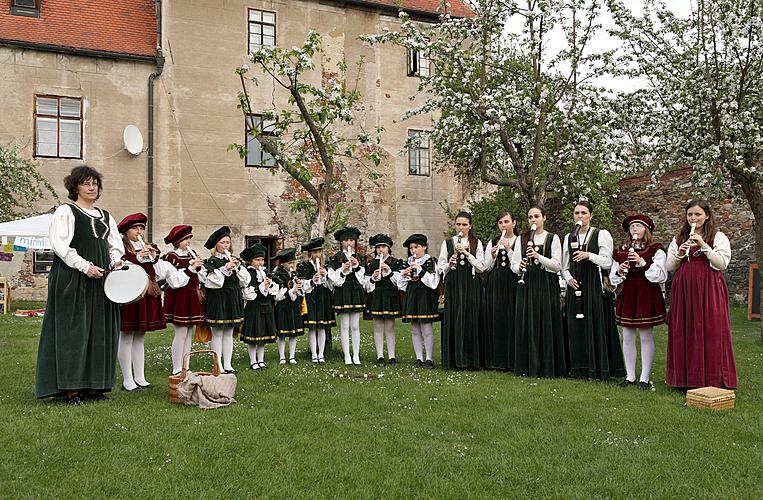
502,305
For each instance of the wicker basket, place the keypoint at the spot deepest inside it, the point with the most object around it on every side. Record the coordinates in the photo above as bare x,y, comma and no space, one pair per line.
710,398
174,380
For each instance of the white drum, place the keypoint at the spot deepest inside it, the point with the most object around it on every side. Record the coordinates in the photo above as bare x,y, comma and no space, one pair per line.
125,286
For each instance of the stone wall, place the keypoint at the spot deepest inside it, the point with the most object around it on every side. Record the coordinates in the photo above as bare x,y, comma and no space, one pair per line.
665,204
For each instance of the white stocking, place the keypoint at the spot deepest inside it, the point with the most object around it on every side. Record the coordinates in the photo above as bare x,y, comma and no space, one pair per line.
227,348
281,348
261,353
124,354
426,332
252,353
292,347
217,345
389,333
321,342
416,337
138,358
379,337
355,331
182,334
312,341
629,353
344,335
647,353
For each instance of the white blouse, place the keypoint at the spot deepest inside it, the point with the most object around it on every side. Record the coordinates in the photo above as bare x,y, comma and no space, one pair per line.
61,234
719,255
216,279
489,260
477,260
603,258
551,265
657,272
432,280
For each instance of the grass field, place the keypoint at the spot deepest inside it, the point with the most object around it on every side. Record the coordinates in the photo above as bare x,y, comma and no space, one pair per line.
304,431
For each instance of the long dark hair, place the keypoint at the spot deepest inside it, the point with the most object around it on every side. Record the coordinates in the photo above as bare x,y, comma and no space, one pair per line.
526,234
80,175
708,229
501,215
472,237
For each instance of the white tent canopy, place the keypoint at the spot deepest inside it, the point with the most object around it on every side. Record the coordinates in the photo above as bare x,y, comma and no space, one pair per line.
31,232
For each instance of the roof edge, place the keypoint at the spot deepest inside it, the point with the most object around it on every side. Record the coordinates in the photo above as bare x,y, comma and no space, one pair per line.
62,49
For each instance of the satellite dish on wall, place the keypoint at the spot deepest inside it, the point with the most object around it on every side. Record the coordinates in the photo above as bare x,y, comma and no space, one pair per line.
133,140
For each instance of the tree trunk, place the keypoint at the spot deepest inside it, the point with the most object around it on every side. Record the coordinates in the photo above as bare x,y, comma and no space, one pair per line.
320,223
751,187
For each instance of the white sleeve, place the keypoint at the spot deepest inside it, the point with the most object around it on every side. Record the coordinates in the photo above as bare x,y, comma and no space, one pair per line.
516,256
61,234
250,293
442,262
369,285
114,240
553,264
272,291
615,278
489,260
335,277
720,255
215,279
431,280
478,259
657,273
603,258
308,285
360,274
400,282
566,257
176,278
243,276
673,261
282,291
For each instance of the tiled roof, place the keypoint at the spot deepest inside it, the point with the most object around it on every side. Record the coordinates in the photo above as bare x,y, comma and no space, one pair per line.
459,8
116,26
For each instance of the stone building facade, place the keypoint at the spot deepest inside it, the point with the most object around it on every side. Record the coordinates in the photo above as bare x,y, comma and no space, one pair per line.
665,204
168,68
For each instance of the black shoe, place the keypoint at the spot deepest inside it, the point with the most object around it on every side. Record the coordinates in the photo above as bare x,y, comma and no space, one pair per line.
429,364
143,386
137,389
392,361
380,362
626,383
262,365
419,363
74,400
232,370
95,396
645,386
252,366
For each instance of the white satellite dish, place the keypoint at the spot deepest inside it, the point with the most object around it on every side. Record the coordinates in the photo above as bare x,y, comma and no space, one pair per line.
133,140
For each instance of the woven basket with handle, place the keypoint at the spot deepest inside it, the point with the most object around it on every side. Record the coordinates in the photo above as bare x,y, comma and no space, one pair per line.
174,380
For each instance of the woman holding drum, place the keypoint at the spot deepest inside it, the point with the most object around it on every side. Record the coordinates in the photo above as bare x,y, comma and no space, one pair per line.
76,358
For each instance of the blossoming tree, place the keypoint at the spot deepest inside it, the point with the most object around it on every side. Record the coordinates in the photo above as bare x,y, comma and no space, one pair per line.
318,126
703,102
21,185
513,112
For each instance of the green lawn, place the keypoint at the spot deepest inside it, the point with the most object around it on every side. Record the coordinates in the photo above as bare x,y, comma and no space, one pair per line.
313,431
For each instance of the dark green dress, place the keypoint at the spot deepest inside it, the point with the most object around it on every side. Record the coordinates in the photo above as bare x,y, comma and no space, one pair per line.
421,302
500,301
350,296
288,312
461,318
384,301
259,318
320,313
539,349
590,338
223,307
80,330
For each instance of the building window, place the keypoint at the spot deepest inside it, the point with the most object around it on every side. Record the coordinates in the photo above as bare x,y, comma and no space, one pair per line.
29,8
262,29
42,261
256,156
270,243
418,153
58,127
418,64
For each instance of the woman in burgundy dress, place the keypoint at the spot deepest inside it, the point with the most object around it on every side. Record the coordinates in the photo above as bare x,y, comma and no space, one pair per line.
699,331
638,273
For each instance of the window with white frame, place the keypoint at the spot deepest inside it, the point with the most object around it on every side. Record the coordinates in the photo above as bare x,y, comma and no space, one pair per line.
28,8
418,153
418,64
262,29
256,156
58,127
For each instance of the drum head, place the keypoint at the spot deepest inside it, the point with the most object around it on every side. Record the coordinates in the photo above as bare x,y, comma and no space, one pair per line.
126,286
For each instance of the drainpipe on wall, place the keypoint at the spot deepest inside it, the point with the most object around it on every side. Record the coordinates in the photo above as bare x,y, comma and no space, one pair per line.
153,76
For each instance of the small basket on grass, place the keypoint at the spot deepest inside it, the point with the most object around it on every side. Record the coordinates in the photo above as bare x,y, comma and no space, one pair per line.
174,380
710,398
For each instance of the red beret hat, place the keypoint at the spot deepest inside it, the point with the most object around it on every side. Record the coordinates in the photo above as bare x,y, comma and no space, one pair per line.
178,234
132,220
643,219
